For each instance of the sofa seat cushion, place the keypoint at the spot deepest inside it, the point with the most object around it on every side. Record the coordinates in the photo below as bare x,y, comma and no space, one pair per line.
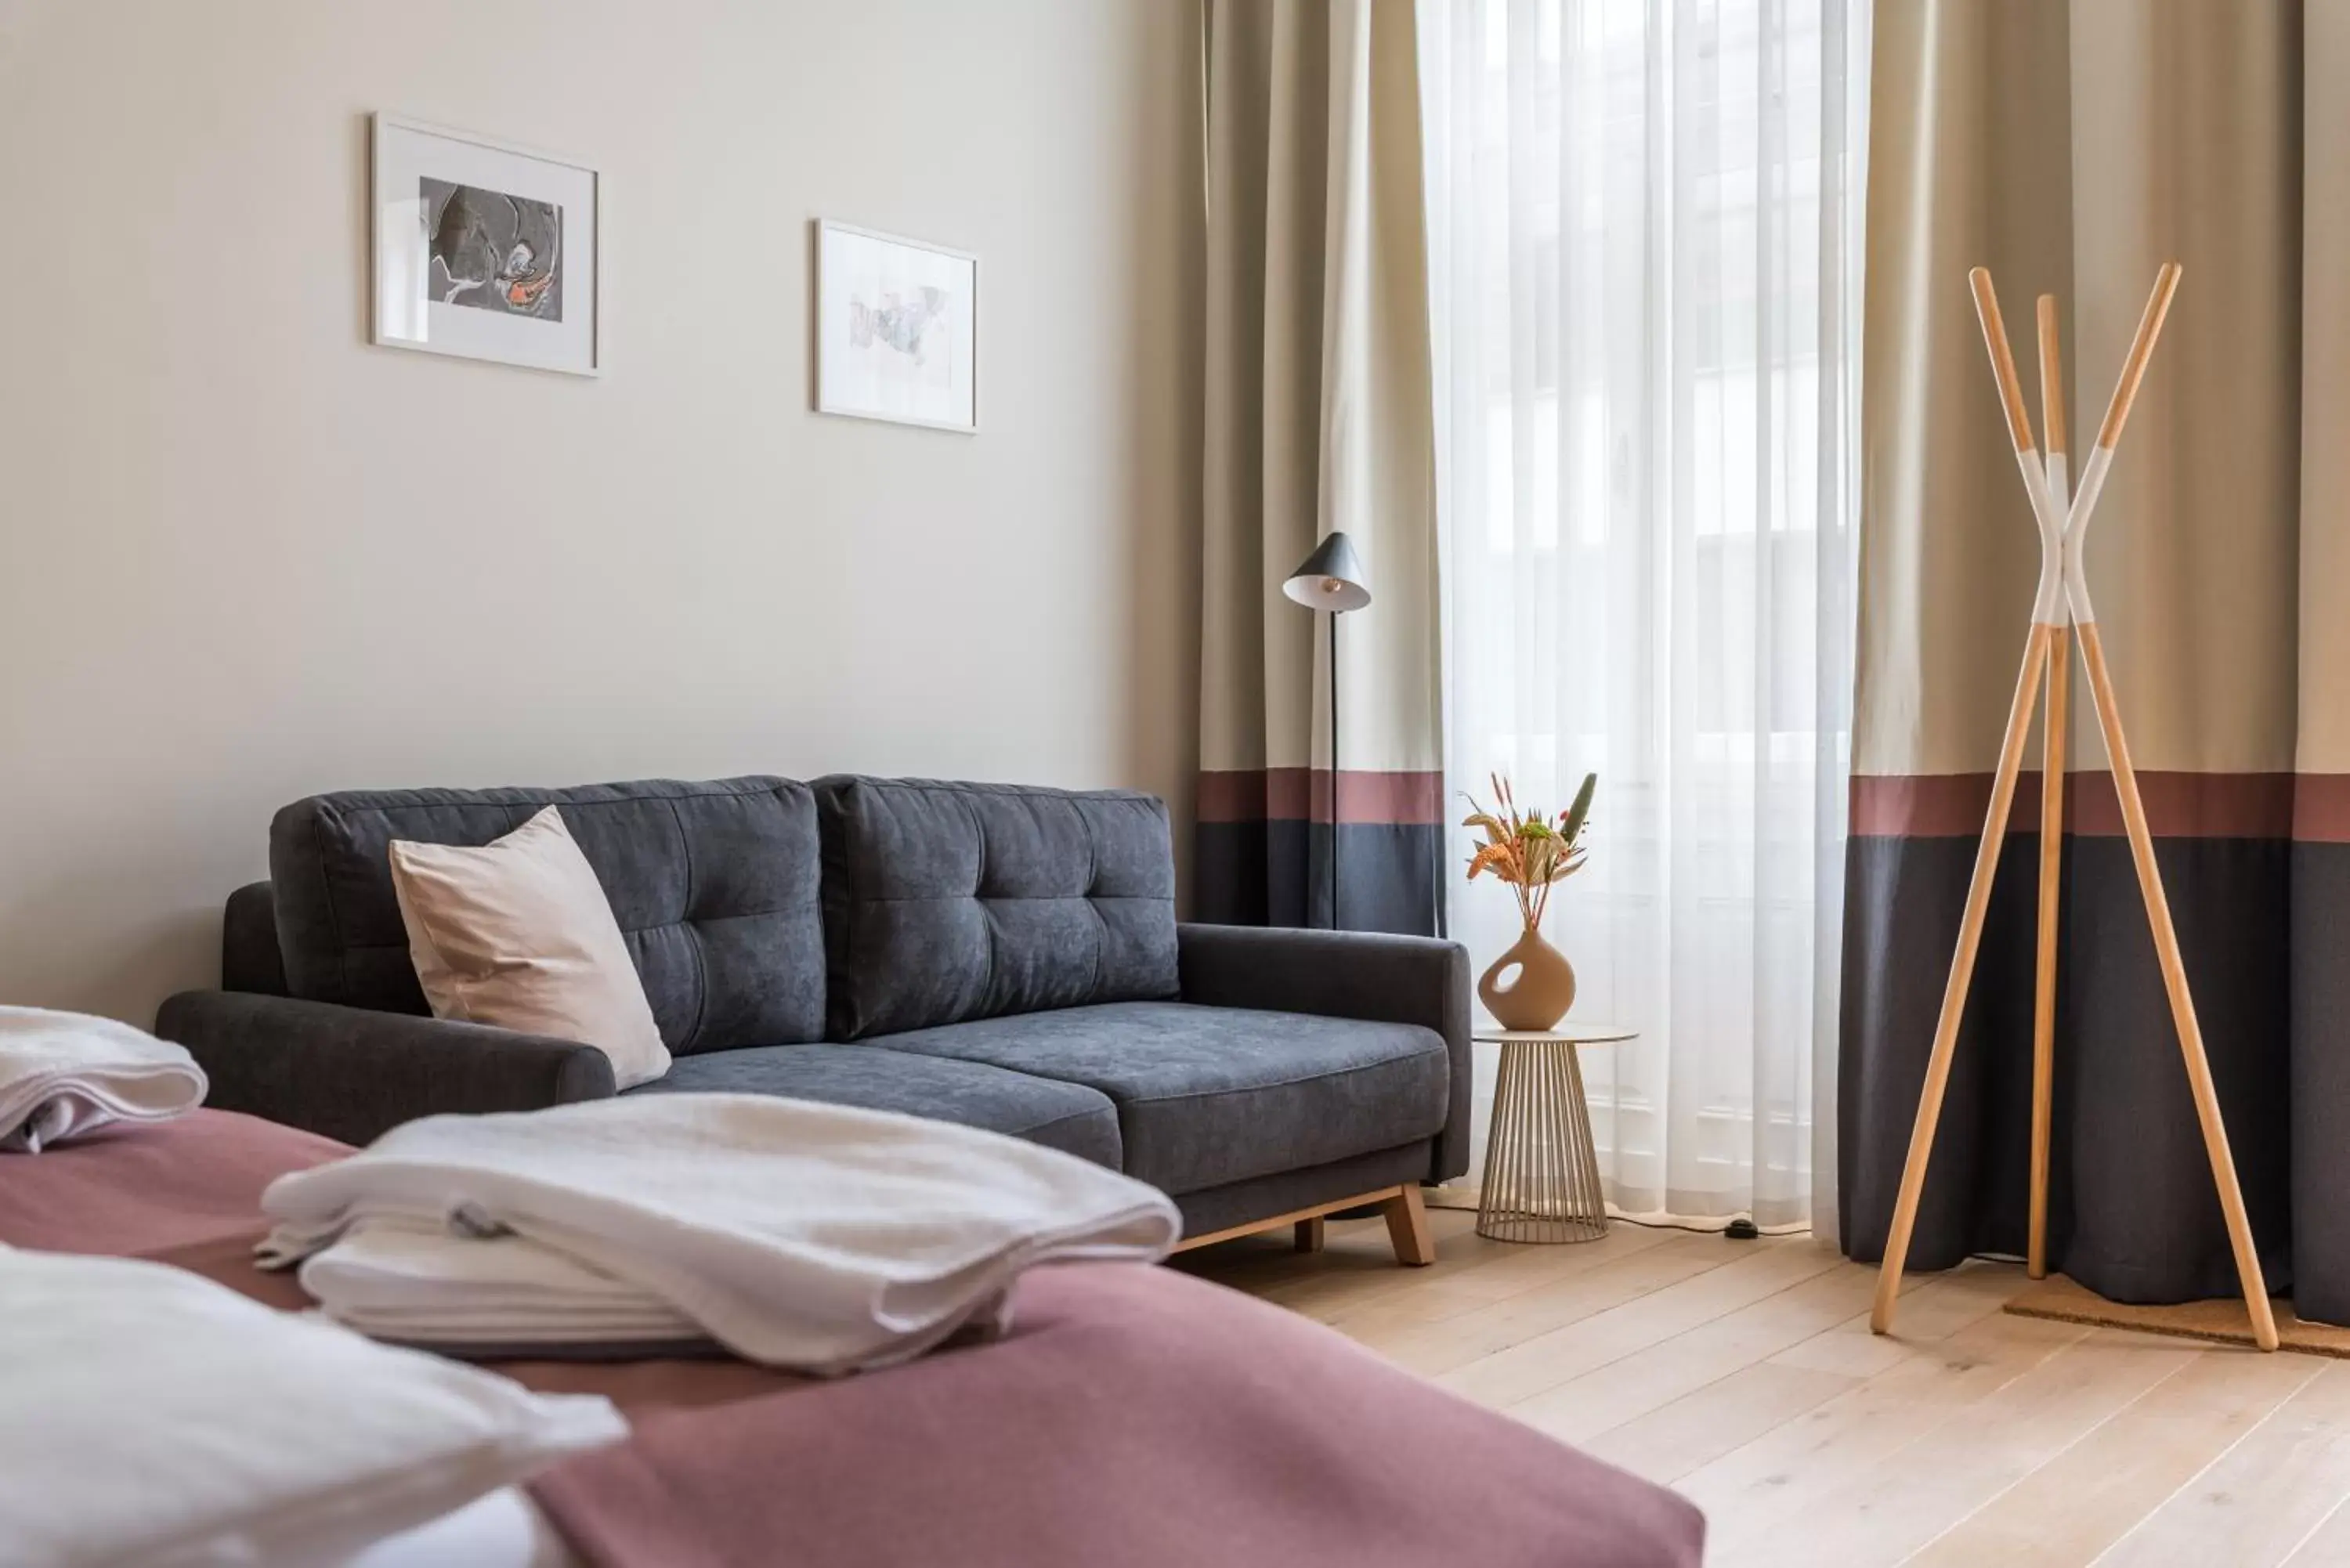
1064,1116
1211,1094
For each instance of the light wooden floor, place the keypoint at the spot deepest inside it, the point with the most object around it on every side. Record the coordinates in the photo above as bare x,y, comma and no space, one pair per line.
1743,1375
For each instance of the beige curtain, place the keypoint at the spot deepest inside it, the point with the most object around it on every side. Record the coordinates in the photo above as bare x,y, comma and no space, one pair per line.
2071,148
1319,419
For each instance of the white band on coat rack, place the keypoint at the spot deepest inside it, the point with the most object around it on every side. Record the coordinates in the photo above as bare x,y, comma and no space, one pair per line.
2101,456
2077,528
2048,603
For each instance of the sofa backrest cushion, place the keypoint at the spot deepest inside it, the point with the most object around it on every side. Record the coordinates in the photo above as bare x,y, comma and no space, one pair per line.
944,902
715,886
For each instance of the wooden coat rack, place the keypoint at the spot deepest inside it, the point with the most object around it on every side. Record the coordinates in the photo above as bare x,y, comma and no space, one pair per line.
2061,615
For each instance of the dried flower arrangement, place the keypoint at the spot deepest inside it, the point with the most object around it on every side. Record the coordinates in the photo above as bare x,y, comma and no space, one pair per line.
1528,851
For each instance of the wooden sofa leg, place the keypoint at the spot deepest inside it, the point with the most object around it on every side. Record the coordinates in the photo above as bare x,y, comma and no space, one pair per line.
1407,1223
1407,1226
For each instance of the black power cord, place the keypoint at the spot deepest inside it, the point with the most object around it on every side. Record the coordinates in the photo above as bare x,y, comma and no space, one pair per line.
1740,1229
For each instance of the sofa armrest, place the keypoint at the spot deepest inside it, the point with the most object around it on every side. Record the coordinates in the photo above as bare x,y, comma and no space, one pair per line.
1344,974
352,1074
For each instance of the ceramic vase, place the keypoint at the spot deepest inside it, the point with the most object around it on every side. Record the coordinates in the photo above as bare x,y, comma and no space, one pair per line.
1537,994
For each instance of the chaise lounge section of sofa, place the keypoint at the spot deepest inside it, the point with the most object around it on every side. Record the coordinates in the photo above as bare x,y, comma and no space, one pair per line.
1000,956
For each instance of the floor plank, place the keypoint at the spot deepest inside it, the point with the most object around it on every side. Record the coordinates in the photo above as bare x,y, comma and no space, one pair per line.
1791,1473
2071,1508
1904,1500
1535,1365
1454,1342
2259,1500
1631,1386
1677,1438
1743,1373
1933,1308
2327,1545
1741,1405
1484,1291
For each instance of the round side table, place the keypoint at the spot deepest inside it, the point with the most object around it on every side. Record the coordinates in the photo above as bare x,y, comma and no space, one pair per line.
1542,1176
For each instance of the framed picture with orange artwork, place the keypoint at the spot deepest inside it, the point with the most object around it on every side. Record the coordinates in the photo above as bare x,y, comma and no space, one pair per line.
483,249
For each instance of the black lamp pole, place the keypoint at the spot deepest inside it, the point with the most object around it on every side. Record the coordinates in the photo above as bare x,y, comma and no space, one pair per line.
1331,580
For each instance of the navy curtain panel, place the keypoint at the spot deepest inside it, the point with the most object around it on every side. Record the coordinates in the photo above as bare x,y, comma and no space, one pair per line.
2071,148
2133,1213
1263,841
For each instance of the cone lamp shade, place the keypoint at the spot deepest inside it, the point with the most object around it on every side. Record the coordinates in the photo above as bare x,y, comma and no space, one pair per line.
1331,579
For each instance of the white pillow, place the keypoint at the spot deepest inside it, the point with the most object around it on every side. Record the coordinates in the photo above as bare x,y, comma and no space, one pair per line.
520,934
151,1416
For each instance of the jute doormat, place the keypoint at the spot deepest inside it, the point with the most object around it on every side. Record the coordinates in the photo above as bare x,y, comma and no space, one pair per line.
2225,1321
1452,1194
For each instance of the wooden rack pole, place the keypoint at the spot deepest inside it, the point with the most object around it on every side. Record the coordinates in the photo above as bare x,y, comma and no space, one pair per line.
2054,721
1962,969
2043,1000
2173,983
1986,869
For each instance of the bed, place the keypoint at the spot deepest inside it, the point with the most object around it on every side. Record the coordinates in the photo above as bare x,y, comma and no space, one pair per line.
1133,1414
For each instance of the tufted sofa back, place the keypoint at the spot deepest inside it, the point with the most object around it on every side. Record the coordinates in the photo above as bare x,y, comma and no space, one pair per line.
715,886
944,902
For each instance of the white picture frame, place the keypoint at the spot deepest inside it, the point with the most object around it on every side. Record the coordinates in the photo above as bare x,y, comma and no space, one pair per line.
897,329
483,249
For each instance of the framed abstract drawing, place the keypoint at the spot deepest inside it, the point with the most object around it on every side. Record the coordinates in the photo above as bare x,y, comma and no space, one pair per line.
483,249
897,324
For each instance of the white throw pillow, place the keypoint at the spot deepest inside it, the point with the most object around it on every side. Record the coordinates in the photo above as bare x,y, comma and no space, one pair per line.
520,934
149,1416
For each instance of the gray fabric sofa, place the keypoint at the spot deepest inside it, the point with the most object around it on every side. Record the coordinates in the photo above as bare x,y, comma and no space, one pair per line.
1003,957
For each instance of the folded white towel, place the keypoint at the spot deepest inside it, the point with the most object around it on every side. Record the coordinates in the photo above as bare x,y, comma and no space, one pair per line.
62,1074
415,1282
819,1238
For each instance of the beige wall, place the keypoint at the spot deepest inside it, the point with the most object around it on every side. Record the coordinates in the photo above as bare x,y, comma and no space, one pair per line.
244,557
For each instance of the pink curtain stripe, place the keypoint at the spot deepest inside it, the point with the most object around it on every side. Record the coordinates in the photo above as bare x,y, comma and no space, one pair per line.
1302,795
2177,805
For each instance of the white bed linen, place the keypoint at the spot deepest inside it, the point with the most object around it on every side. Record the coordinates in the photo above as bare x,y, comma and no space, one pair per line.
503,1529
150,1416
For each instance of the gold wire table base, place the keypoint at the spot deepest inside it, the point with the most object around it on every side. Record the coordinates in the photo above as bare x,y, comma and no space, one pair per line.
1542,1174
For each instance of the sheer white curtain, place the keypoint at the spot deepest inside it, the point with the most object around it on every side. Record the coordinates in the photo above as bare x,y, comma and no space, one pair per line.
1645,243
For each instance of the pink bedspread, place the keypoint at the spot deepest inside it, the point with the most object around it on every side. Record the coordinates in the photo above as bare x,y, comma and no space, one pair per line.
1133,1417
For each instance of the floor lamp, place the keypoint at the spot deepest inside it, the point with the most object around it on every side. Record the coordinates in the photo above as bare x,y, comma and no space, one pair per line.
1330,580
2061,614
